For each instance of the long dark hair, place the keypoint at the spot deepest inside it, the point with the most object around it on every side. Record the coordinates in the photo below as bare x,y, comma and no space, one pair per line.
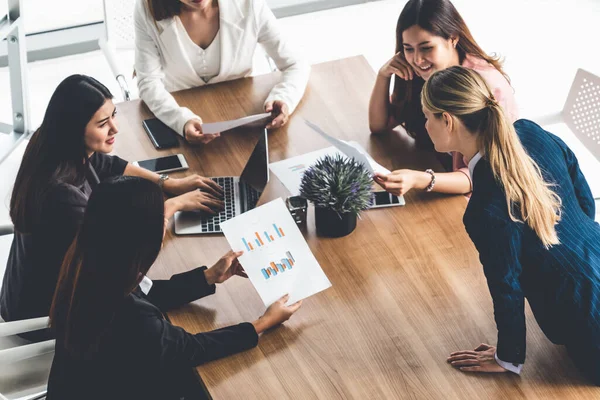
56,151
119,239
440,18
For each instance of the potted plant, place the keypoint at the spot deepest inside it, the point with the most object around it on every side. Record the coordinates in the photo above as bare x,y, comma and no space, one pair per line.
340,188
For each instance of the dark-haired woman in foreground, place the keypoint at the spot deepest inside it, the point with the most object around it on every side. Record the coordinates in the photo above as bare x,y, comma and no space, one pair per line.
64,160
531,217
112,341
430,35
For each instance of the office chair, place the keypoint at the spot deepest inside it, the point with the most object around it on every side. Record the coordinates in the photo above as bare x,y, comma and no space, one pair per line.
24,366
581,116
581,112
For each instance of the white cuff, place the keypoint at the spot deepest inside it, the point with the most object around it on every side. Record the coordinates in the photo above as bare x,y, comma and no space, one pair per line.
516,368
146,285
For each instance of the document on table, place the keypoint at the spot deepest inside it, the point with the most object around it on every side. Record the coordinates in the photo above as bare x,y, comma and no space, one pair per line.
276,257
216,127
290,171
351,149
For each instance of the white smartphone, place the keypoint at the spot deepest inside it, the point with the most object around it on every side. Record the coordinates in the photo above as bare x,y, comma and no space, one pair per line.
385,199
159,165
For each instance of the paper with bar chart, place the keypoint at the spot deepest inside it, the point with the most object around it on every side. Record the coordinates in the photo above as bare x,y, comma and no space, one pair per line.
276,257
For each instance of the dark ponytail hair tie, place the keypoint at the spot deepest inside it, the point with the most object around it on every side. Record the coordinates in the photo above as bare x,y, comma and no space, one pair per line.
491,101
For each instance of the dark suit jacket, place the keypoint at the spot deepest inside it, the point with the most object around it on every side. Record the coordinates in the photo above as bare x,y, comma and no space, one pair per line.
35,258
562,284
143,356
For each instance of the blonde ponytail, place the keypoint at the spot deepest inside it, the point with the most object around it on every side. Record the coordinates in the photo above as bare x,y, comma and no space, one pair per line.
464,94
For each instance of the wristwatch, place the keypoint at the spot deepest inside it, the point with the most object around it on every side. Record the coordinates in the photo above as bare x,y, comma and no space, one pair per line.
161,180
297,206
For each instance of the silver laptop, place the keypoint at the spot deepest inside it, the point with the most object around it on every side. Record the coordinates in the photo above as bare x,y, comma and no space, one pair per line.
241,193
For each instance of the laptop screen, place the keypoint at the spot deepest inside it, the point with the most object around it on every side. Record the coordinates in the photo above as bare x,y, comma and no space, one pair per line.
256,172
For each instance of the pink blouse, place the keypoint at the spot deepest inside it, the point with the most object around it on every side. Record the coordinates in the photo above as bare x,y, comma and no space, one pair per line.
503,93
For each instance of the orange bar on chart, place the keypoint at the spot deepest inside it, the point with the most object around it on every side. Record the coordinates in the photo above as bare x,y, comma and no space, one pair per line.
291,262
269,271
273,266
271,236
281,231
250,244
259,239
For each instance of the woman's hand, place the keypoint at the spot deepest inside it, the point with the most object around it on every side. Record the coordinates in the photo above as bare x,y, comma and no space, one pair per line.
397,65
276,314
482,359
192,132
225,268
399,182
193,201
183,185
280,113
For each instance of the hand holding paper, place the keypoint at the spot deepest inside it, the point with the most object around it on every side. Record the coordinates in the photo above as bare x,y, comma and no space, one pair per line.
276,257
215,127
193,133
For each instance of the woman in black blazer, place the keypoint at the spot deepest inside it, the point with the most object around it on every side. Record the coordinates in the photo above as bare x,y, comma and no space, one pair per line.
531,217
112,341
64,160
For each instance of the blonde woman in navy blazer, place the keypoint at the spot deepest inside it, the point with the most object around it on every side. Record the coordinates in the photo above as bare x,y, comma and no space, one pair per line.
531,218
181,44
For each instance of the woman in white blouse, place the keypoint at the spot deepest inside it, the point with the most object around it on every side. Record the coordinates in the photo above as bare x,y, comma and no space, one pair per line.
188,43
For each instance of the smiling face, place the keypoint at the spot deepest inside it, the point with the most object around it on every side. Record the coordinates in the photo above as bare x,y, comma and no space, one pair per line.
100,131
428,53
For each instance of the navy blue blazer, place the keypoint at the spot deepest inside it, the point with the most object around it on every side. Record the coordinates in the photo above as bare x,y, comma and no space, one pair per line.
562,284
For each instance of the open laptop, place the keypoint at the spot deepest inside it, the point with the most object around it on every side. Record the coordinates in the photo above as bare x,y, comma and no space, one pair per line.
241,193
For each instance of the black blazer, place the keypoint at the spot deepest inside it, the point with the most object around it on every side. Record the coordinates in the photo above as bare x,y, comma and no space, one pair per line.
143,356
562,284
35,258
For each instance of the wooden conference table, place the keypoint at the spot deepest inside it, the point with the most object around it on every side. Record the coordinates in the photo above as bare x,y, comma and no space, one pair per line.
407,285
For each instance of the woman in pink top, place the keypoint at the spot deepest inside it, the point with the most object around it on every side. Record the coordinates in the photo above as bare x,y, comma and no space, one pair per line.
430,36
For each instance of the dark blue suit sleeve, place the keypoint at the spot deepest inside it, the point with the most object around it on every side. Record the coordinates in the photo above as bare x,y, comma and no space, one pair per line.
582,189
173,346
180,289
499,246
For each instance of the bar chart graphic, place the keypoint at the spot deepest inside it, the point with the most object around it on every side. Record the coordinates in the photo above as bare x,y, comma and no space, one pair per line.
276,268
297,167
261,239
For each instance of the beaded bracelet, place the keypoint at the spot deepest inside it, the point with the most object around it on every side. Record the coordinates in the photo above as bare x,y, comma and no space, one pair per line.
432,183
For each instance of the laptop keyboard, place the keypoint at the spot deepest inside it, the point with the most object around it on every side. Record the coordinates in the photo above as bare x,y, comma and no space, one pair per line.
212,223
248,195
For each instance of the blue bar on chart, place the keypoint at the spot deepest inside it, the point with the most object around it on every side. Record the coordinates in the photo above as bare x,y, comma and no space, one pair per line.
259,239
246,244
287,253
276,268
